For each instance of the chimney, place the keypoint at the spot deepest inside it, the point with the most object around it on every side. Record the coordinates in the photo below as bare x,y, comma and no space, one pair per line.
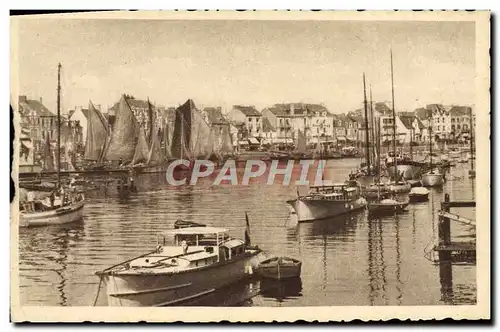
219,109
23,99
292,109
41,101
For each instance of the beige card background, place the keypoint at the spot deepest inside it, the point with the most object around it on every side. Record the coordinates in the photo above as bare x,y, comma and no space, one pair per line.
209,314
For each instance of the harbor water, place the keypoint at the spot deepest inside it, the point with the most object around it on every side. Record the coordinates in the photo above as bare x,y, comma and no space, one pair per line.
348,260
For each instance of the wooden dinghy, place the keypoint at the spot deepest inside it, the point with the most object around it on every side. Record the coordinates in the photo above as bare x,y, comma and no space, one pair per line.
279,268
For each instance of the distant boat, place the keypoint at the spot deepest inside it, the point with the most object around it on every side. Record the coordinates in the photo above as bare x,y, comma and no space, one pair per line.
387,206
418,194
327,201
434,177
279,268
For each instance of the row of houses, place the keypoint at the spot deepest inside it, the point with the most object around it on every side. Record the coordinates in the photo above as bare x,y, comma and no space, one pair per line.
279,123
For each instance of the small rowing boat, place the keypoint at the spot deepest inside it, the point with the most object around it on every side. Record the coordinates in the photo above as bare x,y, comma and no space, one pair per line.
279,268
418,194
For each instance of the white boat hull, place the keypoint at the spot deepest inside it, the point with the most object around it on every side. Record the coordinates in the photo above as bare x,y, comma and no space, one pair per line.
432,180
62,215
308,210
139,290
408,171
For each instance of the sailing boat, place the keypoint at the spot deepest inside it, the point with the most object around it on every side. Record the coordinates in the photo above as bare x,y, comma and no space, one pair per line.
150,159
193,137
383,205
97,137
398,184
64,209
434,177
124,139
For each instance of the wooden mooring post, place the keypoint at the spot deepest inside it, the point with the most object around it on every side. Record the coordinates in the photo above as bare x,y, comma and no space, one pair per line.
448,250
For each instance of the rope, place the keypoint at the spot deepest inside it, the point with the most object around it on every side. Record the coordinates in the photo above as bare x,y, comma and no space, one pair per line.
98,291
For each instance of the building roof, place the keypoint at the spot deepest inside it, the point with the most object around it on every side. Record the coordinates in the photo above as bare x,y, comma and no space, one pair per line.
382,108
214,115
460,110
134,103
407,121
423,113
299,109
247,110
437,108
420,124
267,126
84,111
34,105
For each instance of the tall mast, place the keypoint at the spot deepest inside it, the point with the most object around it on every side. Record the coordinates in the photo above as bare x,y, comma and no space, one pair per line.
367,148
430,142
373,125
58,125
394,123
471,142
378,161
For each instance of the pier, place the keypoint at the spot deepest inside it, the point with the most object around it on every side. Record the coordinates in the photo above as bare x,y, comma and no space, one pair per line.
453,251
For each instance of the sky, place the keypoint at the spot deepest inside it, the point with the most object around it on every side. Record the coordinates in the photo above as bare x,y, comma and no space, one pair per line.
223,63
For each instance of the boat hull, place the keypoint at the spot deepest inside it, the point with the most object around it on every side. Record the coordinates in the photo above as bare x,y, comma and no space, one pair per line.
62,215
410,170
432,180
418,197
280,272
133,290
309,210
384,209
150,169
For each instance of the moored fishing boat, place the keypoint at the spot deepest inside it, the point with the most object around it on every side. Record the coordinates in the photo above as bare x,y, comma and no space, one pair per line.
433,178
279,268
202,260
45,214
418,194
52,210
408,169
399,187
327,201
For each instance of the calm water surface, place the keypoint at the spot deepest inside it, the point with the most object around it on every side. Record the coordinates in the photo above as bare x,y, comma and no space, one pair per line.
348,260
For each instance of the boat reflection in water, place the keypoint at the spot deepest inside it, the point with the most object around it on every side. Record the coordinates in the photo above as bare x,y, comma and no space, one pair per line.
53,247
281,290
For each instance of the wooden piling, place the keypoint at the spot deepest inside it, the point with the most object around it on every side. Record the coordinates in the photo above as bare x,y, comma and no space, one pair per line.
444,231
447,250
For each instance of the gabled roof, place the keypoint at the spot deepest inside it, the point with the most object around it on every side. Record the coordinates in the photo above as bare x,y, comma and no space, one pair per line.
299,109
215,116
267,126
134,103
34,105
247,110
423,113
460,110
85,113
436,108
420,123
382,108
407,121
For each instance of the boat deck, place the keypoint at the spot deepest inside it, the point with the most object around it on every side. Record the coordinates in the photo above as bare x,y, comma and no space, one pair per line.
168,260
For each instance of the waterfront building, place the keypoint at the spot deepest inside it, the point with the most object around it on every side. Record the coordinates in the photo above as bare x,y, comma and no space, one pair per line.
247,119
